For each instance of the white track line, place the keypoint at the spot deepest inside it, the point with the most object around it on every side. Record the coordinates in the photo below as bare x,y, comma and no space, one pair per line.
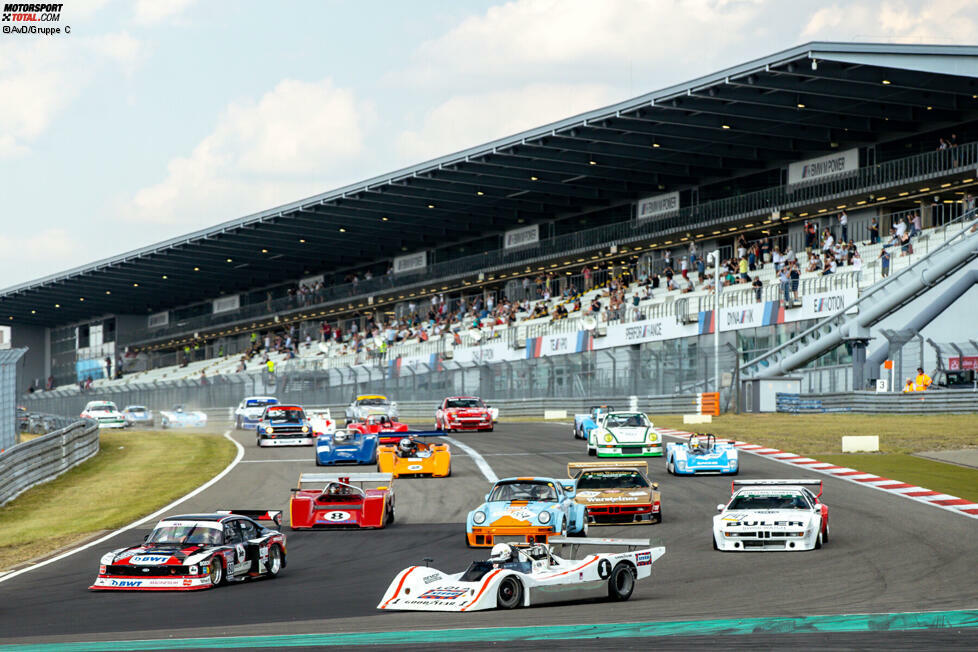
477,458
135,524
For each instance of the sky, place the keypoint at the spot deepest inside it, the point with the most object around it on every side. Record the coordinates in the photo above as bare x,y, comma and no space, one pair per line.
155,118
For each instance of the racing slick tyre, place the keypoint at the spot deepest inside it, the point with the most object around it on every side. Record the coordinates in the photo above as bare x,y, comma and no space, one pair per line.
274,563
621,583
825,533
715,546
818,540
579,533
237,423
671,467
592,451
217,572
509,595
165,424
657,518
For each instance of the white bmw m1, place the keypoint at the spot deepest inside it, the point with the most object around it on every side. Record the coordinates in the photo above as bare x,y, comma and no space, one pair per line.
521,575
772,515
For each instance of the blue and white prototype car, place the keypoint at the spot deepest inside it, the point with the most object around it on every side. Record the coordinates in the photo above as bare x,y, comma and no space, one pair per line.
529,510
249,411
702,454
138,415
585,423
346,447
180,417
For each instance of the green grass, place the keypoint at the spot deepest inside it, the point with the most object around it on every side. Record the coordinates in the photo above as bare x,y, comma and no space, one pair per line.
821,434
950,479
134,474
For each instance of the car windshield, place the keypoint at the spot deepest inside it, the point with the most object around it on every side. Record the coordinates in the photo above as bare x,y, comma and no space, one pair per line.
260,402
284,415
108,407
626,421
769,501
178,408
478,569
624,479
136,408
598,411
524,490
374,400
463,403
185,534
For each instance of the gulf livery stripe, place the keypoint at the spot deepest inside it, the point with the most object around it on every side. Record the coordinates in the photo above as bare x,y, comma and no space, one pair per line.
485,584
400,585
896,487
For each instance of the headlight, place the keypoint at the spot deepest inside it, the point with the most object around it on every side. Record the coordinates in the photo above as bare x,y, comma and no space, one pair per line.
544,517
305,428
608,438
269,429
479,518
653,436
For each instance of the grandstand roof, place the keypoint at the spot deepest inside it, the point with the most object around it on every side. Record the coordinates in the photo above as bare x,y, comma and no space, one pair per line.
759,115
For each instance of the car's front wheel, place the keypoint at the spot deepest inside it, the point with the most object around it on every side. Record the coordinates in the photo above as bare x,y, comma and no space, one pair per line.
671,467
216,572
621,583
509,595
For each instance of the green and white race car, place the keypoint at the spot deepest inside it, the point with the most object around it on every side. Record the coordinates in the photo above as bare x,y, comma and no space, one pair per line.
625,434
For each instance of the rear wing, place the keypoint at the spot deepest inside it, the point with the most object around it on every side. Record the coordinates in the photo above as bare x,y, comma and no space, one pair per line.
345,478
776,483
394,437
574,469
271,515
630,544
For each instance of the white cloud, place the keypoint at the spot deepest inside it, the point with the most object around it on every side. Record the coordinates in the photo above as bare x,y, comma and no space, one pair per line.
467,120
30,255
123,48
936,21
278,149
149,12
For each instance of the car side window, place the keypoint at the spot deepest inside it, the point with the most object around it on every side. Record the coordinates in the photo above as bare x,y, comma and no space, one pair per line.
232,534
248,530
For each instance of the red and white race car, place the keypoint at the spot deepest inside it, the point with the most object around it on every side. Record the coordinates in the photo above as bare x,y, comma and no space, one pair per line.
342,500
464,413
322,421
379,424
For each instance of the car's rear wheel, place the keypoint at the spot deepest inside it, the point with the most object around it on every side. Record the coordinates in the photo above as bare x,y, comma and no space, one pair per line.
825,533
818,540
591,451
274,563
509,595
657,518
216,572
621,583
582,532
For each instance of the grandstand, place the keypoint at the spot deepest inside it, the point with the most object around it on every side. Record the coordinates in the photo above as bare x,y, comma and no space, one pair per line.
475,257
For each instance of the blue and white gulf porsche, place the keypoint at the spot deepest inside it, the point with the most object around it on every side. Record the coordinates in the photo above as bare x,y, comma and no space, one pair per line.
702,454
529,510
346,447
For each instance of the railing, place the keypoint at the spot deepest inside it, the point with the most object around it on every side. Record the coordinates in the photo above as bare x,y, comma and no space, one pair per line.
45,458
949,401
869,296
867,179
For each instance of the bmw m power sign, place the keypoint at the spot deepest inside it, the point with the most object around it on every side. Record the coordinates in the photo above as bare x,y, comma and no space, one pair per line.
816,169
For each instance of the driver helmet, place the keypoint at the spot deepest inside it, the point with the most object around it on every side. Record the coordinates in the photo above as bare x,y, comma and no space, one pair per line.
694,442
340,435
540,492
406,445
501,553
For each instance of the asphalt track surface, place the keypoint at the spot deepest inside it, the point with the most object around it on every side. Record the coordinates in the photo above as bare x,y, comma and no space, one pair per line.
886,554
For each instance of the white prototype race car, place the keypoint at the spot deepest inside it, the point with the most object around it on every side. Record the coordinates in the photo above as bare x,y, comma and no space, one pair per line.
772,515
321,421
521,575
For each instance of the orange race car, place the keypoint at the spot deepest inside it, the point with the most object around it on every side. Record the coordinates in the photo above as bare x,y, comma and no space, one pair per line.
411,456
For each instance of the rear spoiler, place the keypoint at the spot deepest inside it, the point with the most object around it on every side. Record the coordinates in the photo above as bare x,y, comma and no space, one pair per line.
272,515
579,467
776,483
394,437
346,478
631,544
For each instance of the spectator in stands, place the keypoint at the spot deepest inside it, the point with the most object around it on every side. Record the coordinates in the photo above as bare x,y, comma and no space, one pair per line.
785,284
828,240
789,257
794,275
874,231
108,367
814,264
900,227
670,284
684,268
857,266
203,377
915,224
905,247
701,268
586,273
810,232
744,266
766,255
758,288
692,254
667,258
843,226
884,263
687,286
830,265
778,259
752,253
49,385
922,381
942,144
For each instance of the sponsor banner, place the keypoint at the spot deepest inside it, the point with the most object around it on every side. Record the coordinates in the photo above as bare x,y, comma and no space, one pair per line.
496,351
816,169
657,206
965,363
310,281
227,304
432,361
814,306
521,237
411,262
648,330
547,345
823,304
158,319
751,316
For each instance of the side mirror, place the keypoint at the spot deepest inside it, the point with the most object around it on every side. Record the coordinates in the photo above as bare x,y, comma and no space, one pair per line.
145,538
720,507
655,485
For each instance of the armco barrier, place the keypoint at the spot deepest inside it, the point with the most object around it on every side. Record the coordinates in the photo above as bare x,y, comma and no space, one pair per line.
45,458
934,401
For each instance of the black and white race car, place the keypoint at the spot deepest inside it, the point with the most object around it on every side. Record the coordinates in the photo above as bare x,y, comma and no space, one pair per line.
197,551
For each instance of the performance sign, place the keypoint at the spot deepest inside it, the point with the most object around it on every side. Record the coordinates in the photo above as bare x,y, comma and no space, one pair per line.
823,167
521,237
657,206
411,262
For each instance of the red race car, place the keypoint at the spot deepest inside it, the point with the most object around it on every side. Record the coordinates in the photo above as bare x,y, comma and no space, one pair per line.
379,424
463,413
342,500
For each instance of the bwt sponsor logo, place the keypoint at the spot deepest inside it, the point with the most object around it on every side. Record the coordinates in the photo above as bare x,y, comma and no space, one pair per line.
31,13
821,168
739,318
829,304
642,332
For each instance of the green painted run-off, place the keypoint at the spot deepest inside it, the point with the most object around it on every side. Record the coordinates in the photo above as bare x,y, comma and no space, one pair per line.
729,626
